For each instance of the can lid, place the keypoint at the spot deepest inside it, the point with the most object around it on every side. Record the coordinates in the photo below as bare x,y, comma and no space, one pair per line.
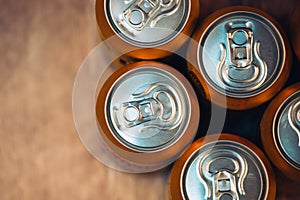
286,129
147,109
137,21
241,54
224,170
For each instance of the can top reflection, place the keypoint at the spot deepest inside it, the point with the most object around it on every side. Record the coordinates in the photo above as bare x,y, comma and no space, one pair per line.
138,21
228,168
147,109
222,169
241,54
286,129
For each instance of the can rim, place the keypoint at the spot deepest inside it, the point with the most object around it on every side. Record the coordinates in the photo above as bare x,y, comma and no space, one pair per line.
266,135
275,131
243,148
159,159
143,44
174,182
274,25
174,138
145,53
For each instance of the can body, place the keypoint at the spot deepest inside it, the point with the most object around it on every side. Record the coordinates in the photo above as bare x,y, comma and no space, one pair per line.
220,166
280,132
146,29
232,57
148,113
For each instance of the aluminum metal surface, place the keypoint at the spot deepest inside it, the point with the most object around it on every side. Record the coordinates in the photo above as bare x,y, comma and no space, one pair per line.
224,170
241,54
138,21
286,129
148,109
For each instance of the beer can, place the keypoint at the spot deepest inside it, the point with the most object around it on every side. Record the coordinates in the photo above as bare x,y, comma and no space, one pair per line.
239,54
147,29
280,132
222,166
148,113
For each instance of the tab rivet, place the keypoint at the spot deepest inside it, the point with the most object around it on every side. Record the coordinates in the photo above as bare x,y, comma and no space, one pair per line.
131,114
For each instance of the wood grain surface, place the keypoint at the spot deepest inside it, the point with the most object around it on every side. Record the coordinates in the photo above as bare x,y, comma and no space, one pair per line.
42,44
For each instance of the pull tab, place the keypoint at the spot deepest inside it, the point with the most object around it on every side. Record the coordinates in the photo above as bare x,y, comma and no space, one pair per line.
142,12
240,42
138,112
294,119
243,69
223,180
154,107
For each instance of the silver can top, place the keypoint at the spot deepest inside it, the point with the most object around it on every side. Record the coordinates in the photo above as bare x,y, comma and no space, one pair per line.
148,109
241,54
224,170
147,23
286,129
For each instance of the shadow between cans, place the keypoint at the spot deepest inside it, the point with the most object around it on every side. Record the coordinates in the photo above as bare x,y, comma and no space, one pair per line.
92,74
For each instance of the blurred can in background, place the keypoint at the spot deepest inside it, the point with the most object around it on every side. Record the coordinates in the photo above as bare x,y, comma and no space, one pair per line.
280,132
147,29
241,54
222,167
148,113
